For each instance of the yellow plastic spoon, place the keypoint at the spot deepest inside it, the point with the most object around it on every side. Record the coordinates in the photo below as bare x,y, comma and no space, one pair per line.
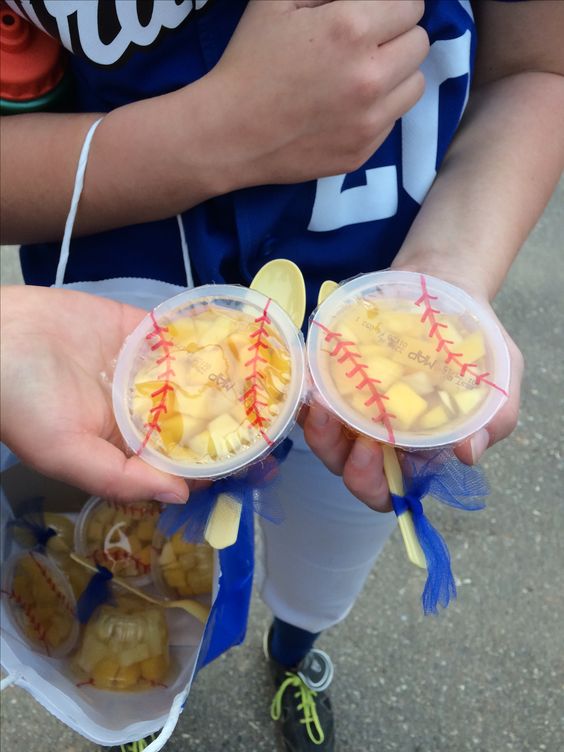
199,610
392,471
282,281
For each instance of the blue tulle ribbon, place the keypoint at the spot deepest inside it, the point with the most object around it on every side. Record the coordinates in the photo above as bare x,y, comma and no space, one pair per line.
32,522
97,592
442,476
193,516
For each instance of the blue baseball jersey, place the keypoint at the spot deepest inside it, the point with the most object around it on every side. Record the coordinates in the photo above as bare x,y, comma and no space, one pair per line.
334,227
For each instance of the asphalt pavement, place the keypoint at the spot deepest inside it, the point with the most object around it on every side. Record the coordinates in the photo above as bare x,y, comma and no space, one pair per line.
487,675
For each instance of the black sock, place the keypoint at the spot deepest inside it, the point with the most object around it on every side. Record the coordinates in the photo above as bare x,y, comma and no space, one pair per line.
289,644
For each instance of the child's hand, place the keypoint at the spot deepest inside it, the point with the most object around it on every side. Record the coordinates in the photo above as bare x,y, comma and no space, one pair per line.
56,409
312,89
360,460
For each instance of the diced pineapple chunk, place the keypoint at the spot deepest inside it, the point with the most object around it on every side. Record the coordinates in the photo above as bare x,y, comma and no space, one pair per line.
473,347
405,404
167,556
174,577
436,417
468,400
133,654
383,369
420,382
202,445
154,669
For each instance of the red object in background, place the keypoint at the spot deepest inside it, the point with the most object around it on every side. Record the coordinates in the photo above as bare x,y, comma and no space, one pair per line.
32,64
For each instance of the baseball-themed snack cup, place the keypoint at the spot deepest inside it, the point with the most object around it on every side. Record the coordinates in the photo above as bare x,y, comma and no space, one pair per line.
180,568
124,647
413,362
40,604
208,384
53,535
118,536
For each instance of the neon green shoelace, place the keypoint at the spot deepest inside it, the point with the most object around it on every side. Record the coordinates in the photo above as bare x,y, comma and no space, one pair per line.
137,746
306,705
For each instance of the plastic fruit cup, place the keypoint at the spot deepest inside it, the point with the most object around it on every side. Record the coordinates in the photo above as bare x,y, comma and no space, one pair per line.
408,359
118,537
124,647
181,569
209,381
40,604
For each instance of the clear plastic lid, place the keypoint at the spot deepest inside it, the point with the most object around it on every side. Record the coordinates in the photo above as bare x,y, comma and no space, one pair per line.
181,569
408,359
209,382
124,647
40,604
118,536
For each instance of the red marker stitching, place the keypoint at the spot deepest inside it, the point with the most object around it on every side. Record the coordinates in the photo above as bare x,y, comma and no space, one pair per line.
255,397
429,315
345,353
34,623
103,559
53,586
163,391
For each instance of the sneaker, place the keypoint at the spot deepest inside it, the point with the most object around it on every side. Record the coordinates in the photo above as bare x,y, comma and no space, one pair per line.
301,703
138,746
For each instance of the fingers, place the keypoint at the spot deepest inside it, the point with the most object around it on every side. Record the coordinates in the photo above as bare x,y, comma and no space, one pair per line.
401,57
100,468
504,422
359,461
363,475
380,21
326,439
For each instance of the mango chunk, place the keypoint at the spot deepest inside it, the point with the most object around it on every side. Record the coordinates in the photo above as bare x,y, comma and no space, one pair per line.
468,400
420,382
436,417
405,404
473,347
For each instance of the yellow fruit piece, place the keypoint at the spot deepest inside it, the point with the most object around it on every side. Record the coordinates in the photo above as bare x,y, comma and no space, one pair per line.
400,322
224,435
145,530
105,672
187,560
182,332
383,369
167,556
174,577
473,347
202,445
154,669
469,400
144,556
199,582
133,654
179,545
405,404
436,417
217,331
420,382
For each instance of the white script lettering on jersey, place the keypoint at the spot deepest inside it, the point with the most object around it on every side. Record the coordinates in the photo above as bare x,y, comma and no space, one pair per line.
378,198
89,17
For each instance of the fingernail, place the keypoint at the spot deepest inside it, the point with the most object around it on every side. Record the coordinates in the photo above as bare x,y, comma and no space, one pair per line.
170,498
361,456
319,417
479,443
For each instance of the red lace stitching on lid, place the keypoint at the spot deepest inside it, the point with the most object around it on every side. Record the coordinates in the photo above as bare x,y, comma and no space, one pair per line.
344,352
255,396
61,597
158,332
34,623
443,344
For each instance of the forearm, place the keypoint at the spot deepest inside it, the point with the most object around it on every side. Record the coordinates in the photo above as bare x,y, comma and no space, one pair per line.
493,184
148,160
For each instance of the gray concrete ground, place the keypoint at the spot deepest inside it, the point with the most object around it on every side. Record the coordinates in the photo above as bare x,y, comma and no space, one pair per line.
485,676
